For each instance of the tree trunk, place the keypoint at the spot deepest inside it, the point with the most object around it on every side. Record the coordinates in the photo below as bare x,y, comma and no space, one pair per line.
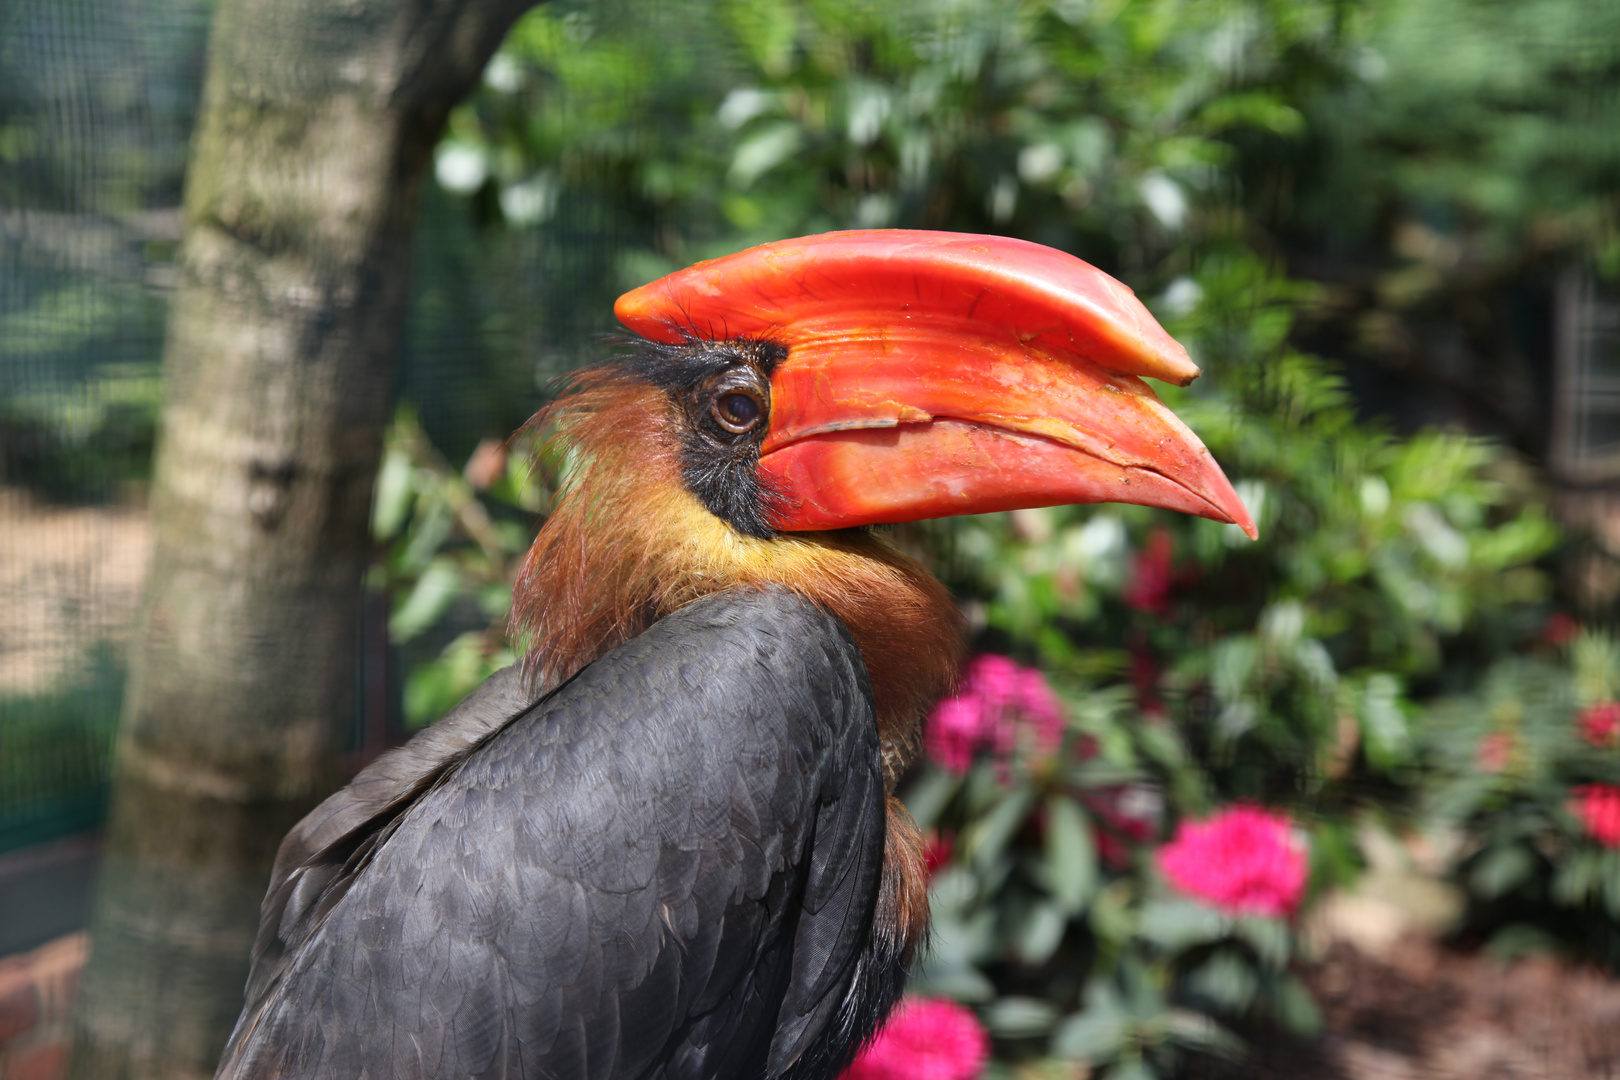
316,133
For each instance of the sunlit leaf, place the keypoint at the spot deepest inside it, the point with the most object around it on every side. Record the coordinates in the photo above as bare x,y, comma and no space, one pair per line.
435,591
1039,932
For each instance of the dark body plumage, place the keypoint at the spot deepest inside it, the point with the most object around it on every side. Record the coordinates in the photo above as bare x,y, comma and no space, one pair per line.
666,867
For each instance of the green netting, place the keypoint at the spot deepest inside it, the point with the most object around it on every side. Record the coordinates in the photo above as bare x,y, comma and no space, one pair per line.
97,100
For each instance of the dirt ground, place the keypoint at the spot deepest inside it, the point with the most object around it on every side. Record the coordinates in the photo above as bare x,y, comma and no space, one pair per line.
69,577
1426,1011
1422,1011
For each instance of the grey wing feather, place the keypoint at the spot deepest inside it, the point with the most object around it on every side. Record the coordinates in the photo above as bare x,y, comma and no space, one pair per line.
666,868
333,838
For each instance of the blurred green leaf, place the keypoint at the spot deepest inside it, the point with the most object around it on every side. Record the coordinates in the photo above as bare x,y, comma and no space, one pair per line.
1225,979
1176,925
1038,931
392,504
1020,1017
1071,856
1297,1009
1383,723
987,839
1269,938
1501,870
1197,1031
433,689
1091,1035
928,793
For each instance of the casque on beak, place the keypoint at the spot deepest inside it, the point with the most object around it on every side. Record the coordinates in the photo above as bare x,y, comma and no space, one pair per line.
931,374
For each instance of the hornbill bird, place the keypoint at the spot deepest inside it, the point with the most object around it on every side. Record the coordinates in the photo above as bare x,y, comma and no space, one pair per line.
667,845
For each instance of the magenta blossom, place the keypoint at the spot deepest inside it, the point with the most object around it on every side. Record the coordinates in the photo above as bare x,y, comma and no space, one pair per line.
955,732
1242,859
1598,807
1600,723
924,1039
1001,705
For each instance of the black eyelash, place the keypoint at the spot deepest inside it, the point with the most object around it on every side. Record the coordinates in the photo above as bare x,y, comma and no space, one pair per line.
719,466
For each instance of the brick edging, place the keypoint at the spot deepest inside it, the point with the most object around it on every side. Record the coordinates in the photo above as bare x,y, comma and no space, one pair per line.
37,992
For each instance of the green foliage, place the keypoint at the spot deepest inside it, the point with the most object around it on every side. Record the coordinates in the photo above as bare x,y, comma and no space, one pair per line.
56,751
1086,126
96,104
90,424
1508,760
1493,121
451,550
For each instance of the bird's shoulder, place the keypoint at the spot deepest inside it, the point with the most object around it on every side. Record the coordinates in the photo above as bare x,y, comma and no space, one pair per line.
739,632
657,796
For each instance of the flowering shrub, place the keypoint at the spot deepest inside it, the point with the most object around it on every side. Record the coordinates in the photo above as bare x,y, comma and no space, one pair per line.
1525,768
1243,860
1043,812
925,1039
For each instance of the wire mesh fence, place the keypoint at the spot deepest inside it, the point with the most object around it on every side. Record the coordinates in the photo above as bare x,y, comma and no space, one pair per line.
95,105
97,100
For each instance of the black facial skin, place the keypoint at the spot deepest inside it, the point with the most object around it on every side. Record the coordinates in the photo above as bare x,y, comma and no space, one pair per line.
723,389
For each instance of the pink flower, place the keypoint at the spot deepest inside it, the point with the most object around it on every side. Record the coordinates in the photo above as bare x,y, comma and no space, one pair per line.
924,1039
1002,705
954,732
1600,723
1494,752
1598,807
1030,714
1243,859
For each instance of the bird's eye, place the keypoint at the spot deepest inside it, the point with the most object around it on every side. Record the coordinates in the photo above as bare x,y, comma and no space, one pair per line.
737,412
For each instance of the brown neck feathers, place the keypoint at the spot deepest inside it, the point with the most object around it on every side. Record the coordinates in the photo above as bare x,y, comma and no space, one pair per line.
626,544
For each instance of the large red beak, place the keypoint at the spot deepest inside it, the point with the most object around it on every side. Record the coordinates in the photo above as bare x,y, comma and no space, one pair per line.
931,374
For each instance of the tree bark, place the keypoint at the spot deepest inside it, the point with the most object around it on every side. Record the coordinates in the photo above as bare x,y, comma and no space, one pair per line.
316,133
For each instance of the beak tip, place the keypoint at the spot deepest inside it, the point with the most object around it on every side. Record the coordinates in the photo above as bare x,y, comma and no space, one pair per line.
1239,515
